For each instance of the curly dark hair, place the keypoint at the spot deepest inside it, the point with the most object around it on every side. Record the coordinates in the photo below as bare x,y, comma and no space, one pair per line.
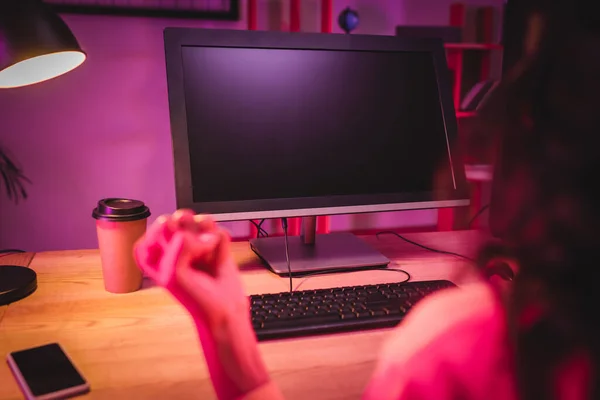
547,116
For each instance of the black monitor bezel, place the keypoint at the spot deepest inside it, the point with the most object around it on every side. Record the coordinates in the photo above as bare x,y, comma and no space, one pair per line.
178,38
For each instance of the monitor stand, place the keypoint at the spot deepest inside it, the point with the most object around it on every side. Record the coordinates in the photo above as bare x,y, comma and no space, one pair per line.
311,252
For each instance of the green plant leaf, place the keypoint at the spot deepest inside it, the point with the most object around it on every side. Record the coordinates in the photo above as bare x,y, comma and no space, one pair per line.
13,177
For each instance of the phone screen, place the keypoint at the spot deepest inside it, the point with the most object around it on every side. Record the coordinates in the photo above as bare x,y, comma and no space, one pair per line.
47,369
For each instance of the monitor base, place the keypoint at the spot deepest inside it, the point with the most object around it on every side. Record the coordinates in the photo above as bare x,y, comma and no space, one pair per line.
335,252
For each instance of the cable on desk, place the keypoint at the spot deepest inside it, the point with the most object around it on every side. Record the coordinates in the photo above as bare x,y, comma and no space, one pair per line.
312,274
8,252
4,251
425,247
477,214
284,225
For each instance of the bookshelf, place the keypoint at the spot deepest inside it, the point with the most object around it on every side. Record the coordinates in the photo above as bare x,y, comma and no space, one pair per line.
458,54
483,49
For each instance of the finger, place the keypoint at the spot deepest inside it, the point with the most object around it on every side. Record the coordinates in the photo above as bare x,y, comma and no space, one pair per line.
170,261
156,229
149,248
215,253
184,219
202,250
147,257
161,231
205,222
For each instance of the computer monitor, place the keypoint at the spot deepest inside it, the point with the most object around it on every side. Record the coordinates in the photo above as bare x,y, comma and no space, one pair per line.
278,124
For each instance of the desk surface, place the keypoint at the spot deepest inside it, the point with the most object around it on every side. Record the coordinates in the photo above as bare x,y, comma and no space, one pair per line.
143,344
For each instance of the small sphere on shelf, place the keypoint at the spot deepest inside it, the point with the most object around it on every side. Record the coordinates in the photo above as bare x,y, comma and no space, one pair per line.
348,20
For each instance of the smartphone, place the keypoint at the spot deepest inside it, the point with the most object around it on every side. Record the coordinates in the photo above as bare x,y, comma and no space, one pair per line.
46,373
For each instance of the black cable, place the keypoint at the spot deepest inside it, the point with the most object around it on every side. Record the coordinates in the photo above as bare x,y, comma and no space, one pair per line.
284,225
329,272
477,214
260,231
264,232
8,252
425,247
4,251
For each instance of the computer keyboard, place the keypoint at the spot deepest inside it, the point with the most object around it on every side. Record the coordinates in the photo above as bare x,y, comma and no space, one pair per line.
309,312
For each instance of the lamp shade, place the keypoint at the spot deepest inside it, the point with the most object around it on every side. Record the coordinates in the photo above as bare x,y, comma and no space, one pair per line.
35,44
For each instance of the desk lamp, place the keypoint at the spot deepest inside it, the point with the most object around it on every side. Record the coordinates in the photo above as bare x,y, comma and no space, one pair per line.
35,45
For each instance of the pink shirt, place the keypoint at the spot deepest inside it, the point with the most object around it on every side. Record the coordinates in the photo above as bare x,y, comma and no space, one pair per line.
451,346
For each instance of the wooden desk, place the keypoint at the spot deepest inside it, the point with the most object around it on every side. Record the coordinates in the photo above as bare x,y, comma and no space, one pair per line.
143,345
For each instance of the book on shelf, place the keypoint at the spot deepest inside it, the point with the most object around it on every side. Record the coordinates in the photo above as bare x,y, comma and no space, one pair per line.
478,95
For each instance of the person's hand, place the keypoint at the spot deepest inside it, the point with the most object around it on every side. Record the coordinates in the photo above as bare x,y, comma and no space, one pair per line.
190,256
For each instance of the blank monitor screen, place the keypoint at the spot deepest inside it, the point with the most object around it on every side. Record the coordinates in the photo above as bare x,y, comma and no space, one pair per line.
276,128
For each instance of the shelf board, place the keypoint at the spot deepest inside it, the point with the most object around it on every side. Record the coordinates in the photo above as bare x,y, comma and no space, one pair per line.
472,46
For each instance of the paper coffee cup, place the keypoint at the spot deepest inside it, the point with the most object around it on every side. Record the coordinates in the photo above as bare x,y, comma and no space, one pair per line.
119,223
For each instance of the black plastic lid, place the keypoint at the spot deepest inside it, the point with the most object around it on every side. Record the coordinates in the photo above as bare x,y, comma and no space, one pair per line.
16,283
121,210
